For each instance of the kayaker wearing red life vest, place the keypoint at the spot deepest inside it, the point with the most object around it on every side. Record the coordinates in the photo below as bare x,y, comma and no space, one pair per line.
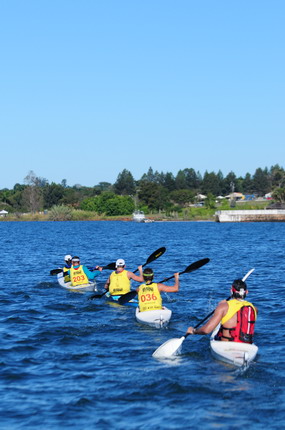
79,274
118,282
236,316
149,292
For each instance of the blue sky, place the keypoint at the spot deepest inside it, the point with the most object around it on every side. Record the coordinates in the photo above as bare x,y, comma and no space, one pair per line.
89,88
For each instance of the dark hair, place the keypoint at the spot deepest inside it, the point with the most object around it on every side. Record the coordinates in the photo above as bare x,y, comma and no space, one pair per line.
148,274
237,286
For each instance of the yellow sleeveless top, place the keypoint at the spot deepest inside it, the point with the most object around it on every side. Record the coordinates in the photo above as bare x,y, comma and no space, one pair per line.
119,283
149,297
234,306
78,276
66,275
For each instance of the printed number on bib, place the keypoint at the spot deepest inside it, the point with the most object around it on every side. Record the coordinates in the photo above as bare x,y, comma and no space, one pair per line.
78,278
148,297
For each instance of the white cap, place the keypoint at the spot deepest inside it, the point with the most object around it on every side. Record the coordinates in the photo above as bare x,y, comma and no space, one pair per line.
120,262
67,257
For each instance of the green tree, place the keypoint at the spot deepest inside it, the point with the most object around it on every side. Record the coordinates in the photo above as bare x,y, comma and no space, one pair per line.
5,196
279,195
277,176
153,195
52,194
211,184
261,183
109,203
169,182
125,184
149,176
247,184
119,205
193,179
182,197
104,186
210,201
180,180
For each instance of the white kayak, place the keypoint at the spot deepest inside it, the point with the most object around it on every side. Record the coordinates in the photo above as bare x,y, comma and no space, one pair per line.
158,318
91,286
236,353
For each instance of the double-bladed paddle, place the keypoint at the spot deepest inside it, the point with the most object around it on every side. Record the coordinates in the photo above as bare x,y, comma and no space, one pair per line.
111,266
194,266
154,256
172,346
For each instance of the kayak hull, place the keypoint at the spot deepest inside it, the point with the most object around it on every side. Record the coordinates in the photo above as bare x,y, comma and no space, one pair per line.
236,353
91,286
157,319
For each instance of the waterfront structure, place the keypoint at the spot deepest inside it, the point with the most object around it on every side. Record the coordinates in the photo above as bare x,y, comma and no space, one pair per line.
258,215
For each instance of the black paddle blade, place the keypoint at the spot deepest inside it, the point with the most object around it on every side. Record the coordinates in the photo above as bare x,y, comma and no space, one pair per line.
127,297
55,271
156,254
97,296
196,265
111,266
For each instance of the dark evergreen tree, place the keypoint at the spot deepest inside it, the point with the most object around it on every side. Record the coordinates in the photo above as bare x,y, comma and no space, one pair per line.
153,195
211,184
193,179
261,183
180,180
169,182
247,184
125,184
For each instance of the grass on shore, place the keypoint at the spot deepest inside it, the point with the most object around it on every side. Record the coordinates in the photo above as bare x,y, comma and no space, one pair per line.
192,213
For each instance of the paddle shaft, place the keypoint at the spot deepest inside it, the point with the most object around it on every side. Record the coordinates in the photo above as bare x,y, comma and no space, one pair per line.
190,268
194,266
110,266
151,258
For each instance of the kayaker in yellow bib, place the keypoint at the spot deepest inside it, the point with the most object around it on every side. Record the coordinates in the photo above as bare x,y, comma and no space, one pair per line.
118,282
149,292
236,316
67,266
79,274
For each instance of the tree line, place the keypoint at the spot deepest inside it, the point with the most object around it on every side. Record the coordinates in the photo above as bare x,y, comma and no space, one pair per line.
155,191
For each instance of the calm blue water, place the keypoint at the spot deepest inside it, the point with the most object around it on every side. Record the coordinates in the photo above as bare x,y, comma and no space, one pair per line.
68,362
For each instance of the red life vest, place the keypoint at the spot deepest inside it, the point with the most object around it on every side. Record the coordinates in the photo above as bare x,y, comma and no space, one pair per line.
244,330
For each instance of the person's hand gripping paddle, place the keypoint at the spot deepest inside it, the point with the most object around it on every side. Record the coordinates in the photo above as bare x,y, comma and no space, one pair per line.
173,346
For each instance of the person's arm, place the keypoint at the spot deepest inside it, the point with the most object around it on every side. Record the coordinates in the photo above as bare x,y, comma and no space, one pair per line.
136,278
92,275
170,289
107,283
207,328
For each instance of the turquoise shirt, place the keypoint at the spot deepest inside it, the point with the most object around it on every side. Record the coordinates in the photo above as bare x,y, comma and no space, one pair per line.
88,273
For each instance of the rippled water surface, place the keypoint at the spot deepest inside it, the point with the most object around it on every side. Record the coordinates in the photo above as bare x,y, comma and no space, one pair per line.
69,362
